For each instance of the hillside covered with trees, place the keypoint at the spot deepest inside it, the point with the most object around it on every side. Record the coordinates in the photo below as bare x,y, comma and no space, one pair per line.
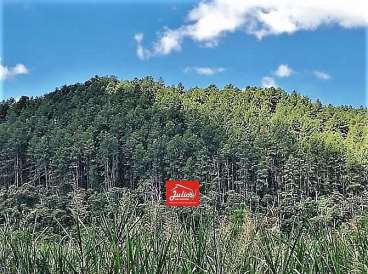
271,152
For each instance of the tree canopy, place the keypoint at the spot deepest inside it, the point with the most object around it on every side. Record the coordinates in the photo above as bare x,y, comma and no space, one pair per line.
260,147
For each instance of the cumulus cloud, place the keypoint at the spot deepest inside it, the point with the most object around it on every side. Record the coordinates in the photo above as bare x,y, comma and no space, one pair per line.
205,70
169,42
283,71
210,20
6,72
268,82
20,69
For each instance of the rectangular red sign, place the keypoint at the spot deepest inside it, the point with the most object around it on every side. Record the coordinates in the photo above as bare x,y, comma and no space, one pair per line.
182,193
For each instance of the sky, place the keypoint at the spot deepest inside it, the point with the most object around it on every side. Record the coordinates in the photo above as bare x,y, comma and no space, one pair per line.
317,48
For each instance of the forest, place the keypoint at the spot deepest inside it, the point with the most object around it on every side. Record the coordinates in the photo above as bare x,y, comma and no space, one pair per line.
283,180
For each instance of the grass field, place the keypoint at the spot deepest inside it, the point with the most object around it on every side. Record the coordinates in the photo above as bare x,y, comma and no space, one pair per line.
167,240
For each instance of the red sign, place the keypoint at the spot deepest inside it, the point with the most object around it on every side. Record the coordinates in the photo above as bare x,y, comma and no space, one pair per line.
182,193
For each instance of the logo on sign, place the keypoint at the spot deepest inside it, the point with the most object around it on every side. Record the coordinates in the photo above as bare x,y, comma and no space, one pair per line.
182,193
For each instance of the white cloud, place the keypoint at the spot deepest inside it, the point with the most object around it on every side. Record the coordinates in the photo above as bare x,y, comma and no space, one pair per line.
138,37
169,42
268,82
141,52
20,69
6,72
321,75
283,71
212,19
205,70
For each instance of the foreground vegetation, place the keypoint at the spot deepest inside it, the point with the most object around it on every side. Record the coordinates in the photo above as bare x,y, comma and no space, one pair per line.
151,238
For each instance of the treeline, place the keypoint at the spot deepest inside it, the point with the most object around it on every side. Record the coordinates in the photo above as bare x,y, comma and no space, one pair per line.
273,152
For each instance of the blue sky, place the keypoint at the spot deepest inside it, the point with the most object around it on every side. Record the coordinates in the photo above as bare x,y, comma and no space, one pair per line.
46,45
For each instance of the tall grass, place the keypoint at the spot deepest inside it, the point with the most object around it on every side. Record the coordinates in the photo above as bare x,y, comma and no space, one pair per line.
166,240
